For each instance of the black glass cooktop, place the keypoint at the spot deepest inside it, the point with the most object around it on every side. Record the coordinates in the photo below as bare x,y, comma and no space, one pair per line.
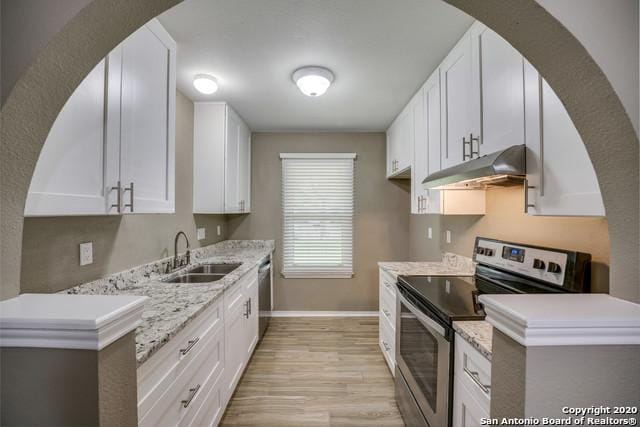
456,297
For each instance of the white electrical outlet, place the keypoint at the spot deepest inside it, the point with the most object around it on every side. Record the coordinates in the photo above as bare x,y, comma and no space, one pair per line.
448,236
86,253
201,233
219,230
430,233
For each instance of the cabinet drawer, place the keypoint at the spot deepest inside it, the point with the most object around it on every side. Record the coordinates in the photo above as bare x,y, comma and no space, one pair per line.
387,341
186,392
467,411
388,308
212,407
157,374
388,283
473,370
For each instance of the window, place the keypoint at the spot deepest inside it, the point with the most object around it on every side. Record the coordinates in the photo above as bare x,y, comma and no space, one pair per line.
317,205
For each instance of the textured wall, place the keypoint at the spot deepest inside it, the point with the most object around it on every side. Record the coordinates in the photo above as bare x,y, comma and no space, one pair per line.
609,136
50,254
380,226
505,220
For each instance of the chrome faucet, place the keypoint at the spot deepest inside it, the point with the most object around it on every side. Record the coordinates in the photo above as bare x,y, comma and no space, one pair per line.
176,261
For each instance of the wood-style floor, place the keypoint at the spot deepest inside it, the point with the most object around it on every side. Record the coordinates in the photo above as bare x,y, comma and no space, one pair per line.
316,372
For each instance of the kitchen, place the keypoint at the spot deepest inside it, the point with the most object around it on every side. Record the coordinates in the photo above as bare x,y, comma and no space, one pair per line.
219,176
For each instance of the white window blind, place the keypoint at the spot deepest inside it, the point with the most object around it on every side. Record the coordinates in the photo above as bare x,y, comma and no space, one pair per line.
318,198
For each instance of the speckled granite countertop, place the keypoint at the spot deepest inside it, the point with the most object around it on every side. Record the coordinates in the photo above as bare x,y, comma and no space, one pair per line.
172,306
451,265
478,333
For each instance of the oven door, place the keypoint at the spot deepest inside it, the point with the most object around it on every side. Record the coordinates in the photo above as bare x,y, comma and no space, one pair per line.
423,358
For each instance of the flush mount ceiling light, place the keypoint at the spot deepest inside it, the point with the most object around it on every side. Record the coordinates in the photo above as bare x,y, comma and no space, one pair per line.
205,83
313,81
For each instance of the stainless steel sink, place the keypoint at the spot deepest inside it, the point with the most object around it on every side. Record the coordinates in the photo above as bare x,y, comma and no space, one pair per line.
214,268
195,278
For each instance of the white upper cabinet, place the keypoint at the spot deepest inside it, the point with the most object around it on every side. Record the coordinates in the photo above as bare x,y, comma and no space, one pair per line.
69,176
458,108
112,148
221,160
147,141
420,167
400,145
499,90
559,172
427,147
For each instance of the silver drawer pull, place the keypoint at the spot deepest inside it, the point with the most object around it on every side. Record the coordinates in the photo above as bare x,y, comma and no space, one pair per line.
476,379
189,346
386,346
192,393
386,313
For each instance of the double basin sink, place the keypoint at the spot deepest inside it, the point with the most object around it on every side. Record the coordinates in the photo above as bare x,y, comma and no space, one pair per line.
204,273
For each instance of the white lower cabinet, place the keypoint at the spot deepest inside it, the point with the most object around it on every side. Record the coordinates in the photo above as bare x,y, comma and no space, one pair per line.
387,319
471,385
190,380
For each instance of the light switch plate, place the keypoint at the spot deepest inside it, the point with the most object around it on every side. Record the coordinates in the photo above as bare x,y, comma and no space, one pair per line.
448,236
430,233
219,230
86,253
201,233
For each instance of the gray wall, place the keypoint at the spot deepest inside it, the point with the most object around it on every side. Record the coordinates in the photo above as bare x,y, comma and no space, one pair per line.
50,253
505,220
539,381
381,218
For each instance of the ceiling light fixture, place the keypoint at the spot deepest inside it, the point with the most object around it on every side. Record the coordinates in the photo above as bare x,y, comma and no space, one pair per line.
313,81
205,83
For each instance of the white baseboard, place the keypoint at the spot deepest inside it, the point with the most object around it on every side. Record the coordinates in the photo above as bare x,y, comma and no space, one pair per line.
324,314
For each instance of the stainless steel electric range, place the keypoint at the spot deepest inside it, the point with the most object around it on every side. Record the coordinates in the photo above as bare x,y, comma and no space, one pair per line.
428,306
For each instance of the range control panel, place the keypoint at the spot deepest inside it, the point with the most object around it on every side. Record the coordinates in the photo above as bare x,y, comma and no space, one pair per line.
541,264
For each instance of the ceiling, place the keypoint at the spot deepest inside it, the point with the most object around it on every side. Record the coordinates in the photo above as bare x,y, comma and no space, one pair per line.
381,51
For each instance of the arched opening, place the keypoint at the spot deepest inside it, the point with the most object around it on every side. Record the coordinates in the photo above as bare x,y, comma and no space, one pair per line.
597,112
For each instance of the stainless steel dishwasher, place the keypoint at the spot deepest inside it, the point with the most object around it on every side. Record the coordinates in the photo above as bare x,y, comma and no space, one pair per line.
264,295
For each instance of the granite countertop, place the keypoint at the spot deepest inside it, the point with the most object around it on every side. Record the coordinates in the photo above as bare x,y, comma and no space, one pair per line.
478,333
172,306
451,265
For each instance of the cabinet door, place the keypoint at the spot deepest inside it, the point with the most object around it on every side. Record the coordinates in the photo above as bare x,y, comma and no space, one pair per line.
420,167
69,178
148,120
209,120
391,144
457,102
404,141
244,169
252,328
235,325
232,162
499,84
433,135
558,166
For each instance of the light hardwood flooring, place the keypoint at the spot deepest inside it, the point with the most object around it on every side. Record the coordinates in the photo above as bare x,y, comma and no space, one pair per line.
316,372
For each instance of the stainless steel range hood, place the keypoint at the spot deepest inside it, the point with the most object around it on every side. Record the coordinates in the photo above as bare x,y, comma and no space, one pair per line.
502,168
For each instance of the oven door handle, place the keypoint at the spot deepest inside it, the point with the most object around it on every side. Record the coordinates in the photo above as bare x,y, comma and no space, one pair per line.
423,317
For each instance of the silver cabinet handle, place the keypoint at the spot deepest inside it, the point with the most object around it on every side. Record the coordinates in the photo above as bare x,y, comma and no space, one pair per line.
130,190
470,142
118,189
386,346
189,346
246,309
192,393
386,313
388,285
527,187
476,379
250,307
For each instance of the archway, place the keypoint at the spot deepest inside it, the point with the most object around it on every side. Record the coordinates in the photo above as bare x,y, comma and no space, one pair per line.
597,112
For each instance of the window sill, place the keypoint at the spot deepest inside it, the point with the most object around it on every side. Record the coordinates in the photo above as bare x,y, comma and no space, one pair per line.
317,276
